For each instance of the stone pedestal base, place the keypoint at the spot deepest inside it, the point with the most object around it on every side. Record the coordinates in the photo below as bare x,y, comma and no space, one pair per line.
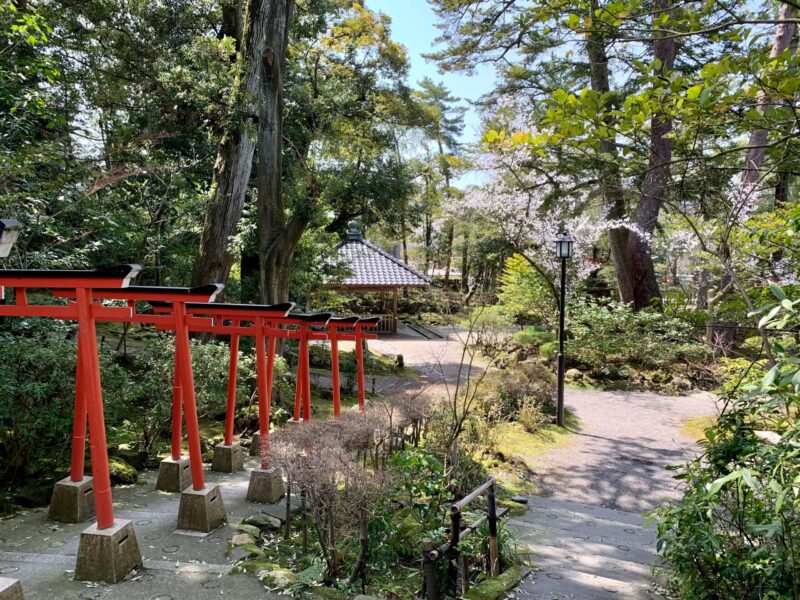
266,485
107,554
174,475
72,501
255,445
10,589
228,459
201,510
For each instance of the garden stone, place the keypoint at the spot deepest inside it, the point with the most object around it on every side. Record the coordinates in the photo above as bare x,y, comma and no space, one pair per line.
278,577
242,539
174,475
574,375
121,472
250,529
10,589
201,510
72,501
107,554
263,522
137,459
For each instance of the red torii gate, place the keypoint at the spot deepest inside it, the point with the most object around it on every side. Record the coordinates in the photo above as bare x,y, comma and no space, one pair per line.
200,509
108,550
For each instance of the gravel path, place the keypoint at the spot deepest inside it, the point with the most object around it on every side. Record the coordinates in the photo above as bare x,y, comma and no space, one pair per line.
621,447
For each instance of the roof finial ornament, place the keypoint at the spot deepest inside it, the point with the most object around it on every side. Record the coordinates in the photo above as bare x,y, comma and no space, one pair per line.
353,230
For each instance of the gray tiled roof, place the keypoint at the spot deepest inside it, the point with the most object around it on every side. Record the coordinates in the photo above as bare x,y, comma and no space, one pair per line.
371,266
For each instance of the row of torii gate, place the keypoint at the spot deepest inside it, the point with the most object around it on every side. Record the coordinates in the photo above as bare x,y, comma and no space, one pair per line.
108,550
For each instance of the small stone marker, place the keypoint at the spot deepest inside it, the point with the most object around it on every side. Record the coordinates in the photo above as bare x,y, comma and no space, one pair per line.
72,501
266,485
201,510
520,499
255,445
228,459
107,554
10,589
174,475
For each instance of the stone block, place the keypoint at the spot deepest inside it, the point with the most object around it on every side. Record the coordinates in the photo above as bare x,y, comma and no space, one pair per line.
174,475
107,554
255,445
72,501
266,485
201,510
228,459
10,589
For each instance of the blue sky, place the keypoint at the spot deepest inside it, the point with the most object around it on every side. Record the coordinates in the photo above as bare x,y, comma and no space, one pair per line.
414,26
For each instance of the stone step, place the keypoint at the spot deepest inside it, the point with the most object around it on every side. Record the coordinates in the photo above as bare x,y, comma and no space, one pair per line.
545,503
642,554
560,527
554,583
583,560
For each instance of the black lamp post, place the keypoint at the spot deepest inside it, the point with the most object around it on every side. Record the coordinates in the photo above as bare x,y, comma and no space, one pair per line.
564,250
9,231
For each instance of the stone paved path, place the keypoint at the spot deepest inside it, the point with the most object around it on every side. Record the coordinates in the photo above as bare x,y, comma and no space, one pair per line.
585,530
178,566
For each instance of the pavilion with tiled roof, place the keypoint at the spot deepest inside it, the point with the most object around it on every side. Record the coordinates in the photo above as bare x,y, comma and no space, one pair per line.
372,269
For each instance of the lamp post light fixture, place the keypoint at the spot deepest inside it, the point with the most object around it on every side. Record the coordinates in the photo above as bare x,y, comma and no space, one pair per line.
9,231
564,251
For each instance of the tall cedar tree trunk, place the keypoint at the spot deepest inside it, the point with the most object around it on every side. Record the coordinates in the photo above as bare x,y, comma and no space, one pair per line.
451,227
465,263
610,177
754,160
235,151
276,238
656,180
633,262
784,32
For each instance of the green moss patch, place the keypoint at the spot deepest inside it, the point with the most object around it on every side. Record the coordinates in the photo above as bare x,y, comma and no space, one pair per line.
497,587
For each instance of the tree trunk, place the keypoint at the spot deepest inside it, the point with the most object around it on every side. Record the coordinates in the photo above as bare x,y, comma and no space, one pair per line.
451,232
610,176
784,32
656,181
465,263
235,152
275,244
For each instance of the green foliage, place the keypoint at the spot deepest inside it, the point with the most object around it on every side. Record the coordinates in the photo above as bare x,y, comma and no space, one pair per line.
422,478
549,350
525,296
602,333
530,337
37,392
149,396
734,532
521,392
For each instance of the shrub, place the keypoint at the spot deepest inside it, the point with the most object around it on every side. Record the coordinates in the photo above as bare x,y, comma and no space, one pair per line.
734,532
602,333
549,350
530,416
37,392
531,337
506,392
525,296
150,396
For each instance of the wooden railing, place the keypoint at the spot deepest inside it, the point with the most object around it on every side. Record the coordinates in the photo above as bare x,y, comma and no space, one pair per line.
459,530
